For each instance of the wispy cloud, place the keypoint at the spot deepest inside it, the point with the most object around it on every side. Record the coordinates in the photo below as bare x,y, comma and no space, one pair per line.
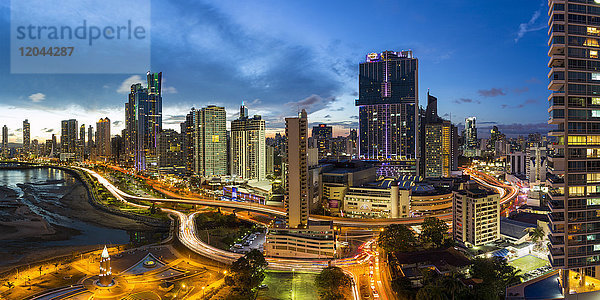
493,92
37,97
531,25
466,100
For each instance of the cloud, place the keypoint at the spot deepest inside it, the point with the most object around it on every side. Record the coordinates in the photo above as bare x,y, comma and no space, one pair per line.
125,87
466,100
327,117
37,97
528,101
531,25
533,80
353,117
175,119
521,90
312,103
493,92
504,105
117,123
48,130
169,90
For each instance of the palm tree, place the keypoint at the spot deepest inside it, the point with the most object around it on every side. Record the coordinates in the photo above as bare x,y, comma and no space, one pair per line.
536,234
452,284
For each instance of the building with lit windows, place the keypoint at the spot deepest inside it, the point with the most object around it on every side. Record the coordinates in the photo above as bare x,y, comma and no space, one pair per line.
103,142
170,152
470,148
26,137
574,160
143,123
476,216
205,141
248,146
5,141
388,106
68,137
322,135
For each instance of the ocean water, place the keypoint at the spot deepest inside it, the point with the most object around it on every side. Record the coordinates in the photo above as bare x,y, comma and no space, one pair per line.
36,187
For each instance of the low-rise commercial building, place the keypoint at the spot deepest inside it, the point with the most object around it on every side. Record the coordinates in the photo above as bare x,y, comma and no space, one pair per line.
317,241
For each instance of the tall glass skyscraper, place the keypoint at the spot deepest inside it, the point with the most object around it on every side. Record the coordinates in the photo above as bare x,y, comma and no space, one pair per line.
143,123
26,136
388,106
574,164
205,141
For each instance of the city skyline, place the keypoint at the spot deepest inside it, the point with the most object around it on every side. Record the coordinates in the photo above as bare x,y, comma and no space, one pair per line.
320,68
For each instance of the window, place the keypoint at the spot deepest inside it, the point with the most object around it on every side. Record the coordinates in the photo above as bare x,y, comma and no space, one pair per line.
591,43
593,53
595,113
595,101
596,247
593,30
576,190
595,76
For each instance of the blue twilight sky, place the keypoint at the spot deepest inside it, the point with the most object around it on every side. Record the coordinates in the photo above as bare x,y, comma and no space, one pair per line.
480,58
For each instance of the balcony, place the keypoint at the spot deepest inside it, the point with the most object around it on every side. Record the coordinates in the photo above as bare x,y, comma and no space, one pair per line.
556,206
556,264
556,132
556,251
556,240
555,217
557,80
557,63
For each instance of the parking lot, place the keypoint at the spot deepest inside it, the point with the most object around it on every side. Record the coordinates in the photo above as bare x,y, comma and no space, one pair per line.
251,241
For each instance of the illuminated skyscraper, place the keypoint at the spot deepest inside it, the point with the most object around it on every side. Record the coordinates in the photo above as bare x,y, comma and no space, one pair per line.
248,157
296,190
470,138
81,142
205,141
322,135
4,141
143,123
574,160
103,143
388,106
68,136
26,136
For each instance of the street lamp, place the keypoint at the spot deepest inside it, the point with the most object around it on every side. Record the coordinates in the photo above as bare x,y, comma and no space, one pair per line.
203,292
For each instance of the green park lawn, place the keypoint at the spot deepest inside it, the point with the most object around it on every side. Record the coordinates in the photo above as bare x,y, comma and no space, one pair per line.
527,263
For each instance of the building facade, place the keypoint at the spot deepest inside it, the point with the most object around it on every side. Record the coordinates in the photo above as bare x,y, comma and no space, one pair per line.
5,141
68,136
470,138
170,154
103,141
297,188
248,142
205,141
476,216
143,123
26,137
322,135
388,106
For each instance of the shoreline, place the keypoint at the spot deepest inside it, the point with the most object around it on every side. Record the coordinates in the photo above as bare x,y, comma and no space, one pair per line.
21,243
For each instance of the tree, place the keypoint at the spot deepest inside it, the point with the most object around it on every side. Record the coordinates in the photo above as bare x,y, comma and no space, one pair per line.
431,292
403,287
246,273
496,274
433,231
397,237
536,234
331,283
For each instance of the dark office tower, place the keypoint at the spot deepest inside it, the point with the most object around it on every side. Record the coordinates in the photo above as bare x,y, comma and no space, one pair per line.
116,147
143,123
322,135
90,140
4,142
470,146
170,155
388,106
68,136
81,141
54,146
26,136
574,173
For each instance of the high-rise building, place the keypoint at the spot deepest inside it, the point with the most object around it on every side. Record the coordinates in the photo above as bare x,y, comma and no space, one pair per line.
439,142
322,135
26,136
4,141
574,177
476,216
170,154
68,136
470,138
270,159
296,191
90,141
248,152
81,141
205,141
143,123
103,141
388,106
